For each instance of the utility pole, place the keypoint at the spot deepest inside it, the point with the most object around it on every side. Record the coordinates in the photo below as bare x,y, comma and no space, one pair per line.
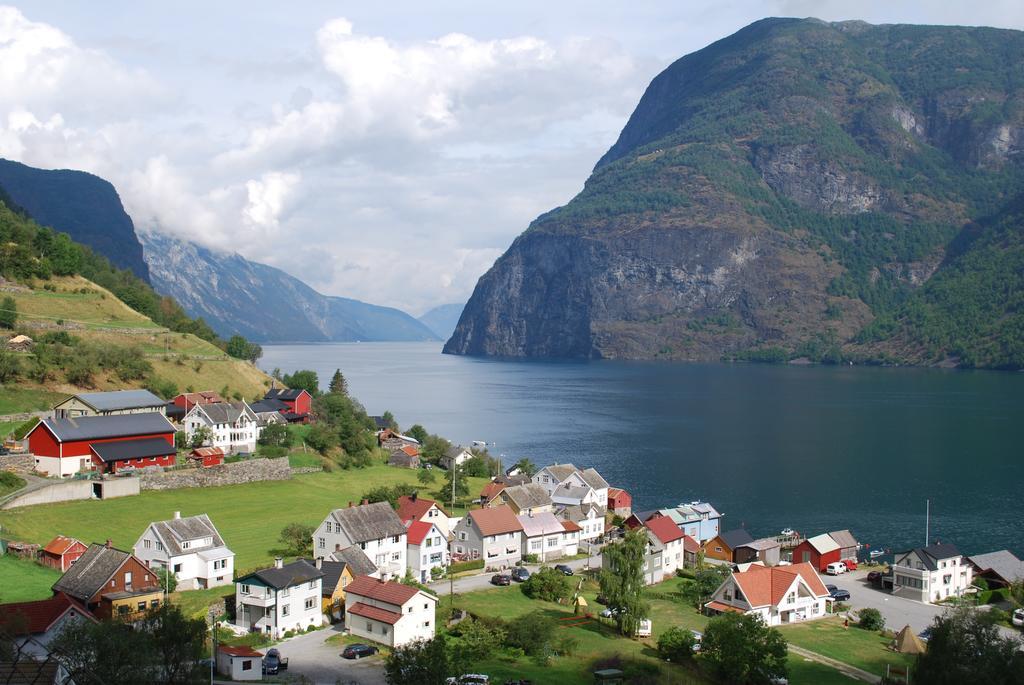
927,520
451,539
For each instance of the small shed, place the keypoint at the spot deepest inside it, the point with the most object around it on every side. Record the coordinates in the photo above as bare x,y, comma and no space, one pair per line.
240,663
206,456
819,551
847,544
61,552
609,676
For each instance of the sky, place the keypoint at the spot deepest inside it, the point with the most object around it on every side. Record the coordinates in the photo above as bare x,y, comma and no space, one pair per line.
385,151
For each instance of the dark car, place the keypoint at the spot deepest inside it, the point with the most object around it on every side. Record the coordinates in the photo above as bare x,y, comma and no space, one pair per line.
520,574
565,570
925,634
273,663
875,577
838,594
501,579
358,651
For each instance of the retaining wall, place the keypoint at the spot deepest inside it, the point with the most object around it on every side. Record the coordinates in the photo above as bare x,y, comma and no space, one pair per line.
248,471
76,490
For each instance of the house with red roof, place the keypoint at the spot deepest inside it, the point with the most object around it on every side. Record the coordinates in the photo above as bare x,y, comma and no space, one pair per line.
33,625
778,594
240,663
389,613
664,533
407,457
428,549
571,536
620,502
492,534
415,508
206,457
61,552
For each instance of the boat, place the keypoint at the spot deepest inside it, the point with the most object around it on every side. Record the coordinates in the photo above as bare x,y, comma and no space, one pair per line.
875,553
788,533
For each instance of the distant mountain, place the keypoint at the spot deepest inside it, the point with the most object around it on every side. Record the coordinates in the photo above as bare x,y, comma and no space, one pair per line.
84,206
443,319
263,303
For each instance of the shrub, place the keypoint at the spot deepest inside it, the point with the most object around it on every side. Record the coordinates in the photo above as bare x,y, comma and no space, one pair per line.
871,619
460,566
547,584
530,558
981,583
533,633
676,644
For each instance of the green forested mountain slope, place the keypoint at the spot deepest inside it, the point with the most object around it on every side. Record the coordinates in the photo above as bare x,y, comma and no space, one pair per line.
837,191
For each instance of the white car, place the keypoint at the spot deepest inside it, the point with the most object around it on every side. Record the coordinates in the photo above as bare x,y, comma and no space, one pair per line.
835,568
470,679
1017,618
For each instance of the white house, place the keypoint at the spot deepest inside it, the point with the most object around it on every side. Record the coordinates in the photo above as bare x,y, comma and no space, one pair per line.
240,663
234,426
456,454
373,528
278,599
588,517
670,538
932,573
191,548
493,534
573,482
428,549
778,594
543,535
414,508
389,613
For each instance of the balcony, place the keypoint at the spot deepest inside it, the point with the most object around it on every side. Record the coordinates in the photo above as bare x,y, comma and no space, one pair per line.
260,599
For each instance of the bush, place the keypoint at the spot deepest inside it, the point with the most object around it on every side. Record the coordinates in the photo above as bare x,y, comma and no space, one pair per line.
871,619
676,644
530,558
981,583
533,633
461,566
547,584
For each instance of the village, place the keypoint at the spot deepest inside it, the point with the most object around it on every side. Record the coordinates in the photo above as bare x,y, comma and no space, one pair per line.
372,576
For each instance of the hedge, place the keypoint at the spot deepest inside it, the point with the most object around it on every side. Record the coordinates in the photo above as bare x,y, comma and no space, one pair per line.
993,596
460,566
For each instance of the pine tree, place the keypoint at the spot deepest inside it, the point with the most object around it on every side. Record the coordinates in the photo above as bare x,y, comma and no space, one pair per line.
338,383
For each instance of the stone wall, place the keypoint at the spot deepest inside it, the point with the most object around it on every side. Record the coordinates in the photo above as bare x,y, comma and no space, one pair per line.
19,463
248,471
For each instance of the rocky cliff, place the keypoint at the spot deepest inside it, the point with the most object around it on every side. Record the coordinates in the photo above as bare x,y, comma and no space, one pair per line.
785,192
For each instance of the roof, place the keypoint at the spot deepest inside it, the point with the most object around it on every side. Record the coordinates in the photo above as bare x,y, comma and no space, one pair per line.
284,393
268,406
208,451
560,471
823,544
508,481
592,478
454,451
225,412
119,399
527,496
418,530
578,512
132,449
369,522
571,527
201,397
544,523
616,493
385,591
767,586
1003,563
933,553
909,643
721,606
332,571
111,426
690,545
762,544
413,507
39,616
358,563
411,450
240,650
843,538
491,490
295,573
91,572
495,520
400,458
373,613
61,545
175,531
664,529
735,538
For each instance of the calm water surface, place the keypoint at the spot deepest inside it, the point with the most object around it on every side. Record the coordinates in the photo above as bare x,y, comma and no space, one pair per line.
813,448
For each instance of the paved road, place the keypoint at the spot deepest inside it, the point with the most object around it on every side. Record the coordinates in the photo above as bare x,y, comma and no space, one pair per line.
483,581
310,657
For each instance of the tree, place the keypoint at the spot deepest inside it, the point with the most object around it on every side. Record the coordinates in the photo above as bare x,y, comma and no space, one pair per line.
297,538
547,584
461,484
742,649
705,582
275,435
321,438
871,619
389,494
676,644
166,579
525,466
10,367
534,633
240,348
389,420
8,312
476,466
418,433
338,386
179,642
478,639
201,436
966,647
622,580
423,661
433,448
303,379
426,476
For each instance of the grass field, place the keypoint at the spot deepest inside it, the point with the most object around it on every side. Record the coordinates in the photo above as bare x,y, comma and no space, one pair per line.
15,400
23,581
9,482
861,648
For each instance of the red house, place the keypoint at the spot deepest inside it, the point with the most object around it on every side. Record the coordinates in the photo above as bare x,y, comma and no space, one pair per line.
298,403
63,447
111,457
181,404
819,551
111,582
207,456
61,552
619,502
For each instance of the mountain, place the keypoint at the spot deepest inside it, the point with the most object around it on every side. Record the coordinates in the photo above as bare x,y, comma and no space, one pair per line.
84,206
834,191
264,303
442,319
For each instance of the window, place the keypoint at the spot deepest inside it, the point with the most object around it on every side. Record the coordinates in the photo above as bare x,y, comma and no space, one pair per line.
285,610
243,589
177,568
219,564
122,609
146,544
127,577
247,665
142,605
395,539
426,606
186,544
462,535
310,603
285,592
426,624
362,546
159,546
154,603
321,543
410,610
369,627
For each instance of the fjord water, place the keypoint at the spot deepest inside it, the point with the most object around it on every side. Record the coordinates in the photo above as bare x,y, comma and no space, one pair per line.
812,448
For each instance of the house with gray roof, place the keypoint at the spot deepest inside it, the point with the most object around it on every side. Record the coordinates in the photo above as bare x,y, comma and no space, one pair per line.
356,561
1000,568
932,573
455,454
280,598
524,499
191,548
588,517
109,404
543,536
374,528
566,479
111,582
233,426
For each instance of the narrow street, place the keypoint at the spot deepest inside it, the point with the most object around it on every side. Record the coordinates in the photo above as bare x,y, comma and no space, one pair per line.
483,581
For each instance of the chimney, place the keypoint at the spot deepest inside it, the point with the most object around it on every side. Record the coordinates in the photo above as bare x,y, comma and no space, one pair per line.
413,496
107,545
364,502
278,562
177,515
319,562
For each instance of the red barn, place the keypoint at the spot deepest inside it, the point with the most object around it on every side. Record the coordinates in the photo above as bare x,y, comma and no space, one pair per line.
61,552
207,456
298,403
111,457
619,502
819,551
63,447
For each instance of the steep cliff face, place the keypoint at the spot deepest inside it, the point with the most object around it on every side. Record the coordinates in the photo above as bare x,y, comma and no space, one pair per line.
772,195
266,304
84,206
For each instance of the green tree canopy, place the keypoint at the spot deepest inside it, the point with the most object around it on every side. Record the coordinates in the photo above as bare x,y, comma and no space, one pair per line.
303,379
622,580
424,662
338,384
8,312
742,649
966,647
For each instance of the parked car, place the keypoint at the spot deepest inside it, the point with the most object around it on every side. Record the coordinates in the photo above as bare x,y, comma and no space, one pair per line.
851,564
564,569
698,637
1017,618
501,579
835,568
838,593
925,634
875,577
610,612
520,574
274,663
358,651
470,679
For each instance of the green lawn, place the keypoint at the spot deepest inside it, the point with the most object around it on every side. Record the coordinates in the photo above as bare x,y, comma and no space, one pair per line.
14,400
806,672
196,603
302,459
23,581
10,482
861,648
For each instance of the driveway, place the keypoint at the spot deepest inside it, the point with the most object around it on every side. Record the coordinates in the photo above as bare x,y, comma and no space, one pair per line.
310,657
483,580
